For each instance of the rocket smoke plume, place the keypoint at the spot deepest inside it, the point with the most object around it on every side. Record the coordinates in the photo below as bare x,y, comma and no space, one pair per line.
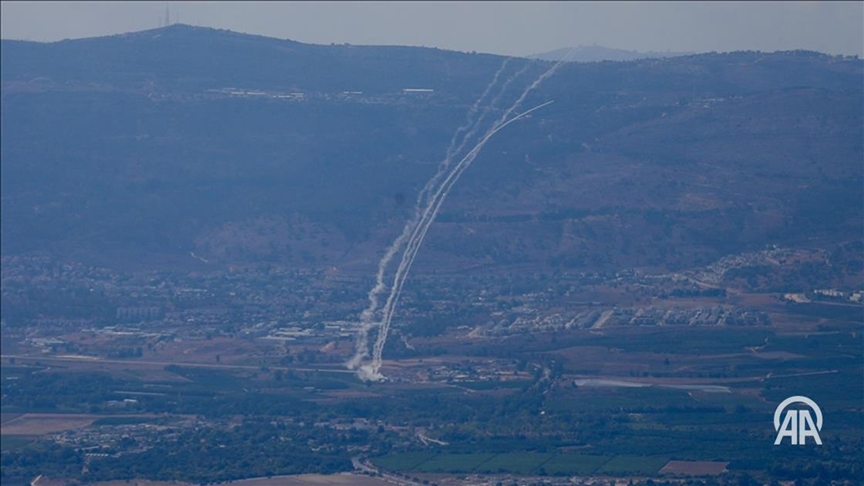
415,230
368,316
371,372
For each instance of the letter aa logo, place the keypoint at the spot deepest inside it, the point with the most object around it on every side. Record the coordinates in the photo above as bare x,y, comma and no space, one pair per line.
797,424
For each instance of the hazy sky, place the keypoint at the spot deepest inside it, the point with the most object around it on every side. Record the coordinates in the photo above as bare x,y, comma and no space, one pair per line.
513,28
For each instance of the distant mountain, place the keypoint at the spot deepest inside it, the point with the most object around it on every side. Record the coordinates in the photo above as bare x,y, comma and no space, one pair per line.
598,53
182,58
141,149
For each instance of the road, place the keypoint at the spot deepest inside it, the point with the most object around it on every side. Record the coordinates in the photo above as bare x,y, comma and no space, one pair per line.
162,364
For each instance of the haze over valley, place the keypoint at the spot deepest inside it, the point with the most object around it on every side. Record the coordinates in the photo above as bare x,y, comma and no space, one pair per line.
592,265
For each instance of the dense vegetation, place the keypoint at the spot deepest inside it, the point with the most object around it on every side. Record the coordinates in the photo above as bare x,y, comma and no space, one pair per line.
115,151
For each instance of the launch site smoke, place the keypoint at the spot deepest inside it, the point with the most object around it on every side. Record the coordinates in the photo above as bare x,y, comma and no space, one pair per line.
418,225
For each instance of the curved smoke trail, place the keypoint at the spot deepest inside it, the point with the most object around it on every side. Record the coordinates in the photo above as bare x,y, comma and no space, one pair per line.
419,229
368,317
488,108
470,126
371,372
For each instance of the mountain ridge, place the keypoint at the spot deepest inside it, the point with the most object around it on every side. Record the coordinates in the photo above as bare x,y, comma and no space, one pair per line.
686,159
595,53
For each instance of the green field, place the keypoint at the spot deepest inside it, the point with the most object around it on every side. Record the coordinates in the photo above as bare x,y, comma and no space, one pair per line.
517,463
626,465
405,461
455,463
555,464
9,442
574,464
492,385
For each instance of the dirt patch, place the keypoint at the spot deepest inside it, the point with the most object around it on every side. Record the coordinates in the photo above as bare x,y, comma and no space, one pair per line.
312,480
694,468
6,417
45,423
43,481
140,482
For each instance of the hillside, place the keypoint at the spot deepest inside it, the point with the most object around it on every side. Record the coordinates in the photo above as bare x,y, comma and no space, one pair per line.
596,53
135,150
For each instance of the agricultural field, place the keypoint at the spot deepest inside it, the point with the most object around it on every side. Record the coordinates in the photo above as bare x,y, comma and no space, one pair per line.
9,442
574,464
623,403
526,463
694,468
36,424
312,480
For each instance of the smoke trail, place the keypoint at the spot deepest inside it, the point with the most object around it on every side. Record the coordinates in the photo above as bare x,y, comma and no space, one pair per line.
367,317
372,372
453,151
471,127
